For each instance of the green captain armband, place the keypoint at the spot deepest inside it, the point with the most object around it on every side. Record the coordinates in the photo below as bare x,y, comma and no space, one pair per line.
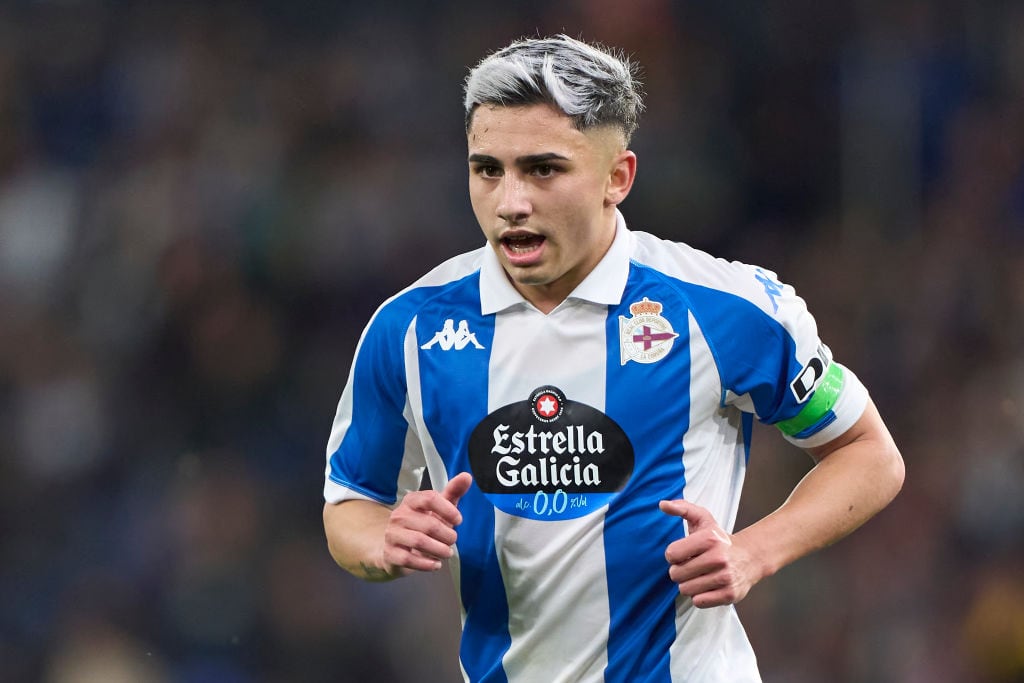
820,405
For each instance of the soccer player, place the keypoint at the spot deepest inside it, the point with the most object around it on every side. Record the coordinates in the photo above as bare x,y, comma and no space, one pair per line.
582,397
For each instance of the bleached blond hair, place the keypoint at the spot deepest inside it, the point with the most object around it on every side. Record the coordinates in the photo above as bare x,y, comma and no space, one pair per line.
592,84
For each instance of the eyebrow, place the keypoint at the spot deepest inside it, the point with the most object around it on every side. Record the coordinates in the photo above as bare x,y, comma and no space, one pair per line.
527,160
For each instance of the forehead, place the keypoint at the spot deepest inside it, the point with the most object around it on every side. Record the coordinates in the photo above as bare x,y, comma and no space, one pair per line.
525,129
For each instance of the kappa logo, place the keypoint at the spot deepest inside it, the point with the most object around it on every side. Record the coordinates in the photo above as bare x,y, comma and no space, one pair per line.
772,288
450,338
646,337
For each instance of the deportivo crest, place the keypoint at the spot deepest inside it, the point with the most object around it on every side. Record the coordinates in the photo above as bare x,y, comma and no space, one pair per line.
646,337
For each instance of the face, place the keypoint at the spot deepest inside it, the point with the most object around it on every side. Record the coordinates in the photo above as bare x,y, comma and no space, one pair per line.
545,194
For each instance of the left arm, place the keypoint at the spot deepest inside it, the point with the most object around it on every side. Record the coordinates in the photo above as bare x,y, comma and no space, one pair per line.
855,476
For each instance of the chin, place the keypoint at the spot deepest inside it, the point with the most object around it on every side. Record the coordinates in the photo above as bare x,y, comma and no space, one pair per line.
527,276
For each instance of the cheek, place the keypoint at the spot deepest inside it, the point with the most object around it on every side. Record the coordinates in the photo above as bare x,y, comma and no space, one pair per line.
585,194
580,206
482,210
476,198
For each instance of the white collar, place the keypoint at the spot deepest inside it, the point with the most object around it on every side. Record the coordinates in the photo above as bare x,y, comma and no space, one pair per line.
604,285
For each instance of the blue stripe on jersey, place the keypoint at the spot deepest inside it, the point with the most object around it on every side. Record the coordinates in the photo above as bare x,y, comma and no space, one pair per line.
376,435
451,409
485,636
755,354
651,403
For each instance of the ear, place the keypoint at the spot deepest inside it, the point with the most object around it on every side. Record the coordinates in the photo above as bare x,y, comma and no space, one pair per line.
621,177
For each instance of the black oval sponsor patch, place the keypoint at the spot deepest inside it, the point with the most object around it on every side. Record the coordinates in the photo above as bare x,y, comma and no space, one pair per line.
548,457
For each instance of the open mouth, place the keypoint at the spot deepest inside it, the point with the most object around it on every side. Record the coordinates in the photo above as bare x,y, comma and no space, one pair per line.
522,243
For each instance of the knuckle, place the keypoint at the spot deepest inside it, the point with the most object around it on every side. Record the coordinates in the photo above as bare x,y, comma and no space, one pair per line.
417,500
400,514
408,501
438,530
729,580
720,559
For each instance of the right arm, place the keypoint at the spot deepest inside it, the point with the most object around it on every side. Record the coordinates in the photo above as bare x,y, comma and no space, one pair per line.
377,543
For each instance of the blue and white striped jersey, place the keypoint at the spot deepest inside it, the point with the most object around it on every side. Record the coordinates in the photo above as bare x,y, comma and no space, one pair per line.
640,387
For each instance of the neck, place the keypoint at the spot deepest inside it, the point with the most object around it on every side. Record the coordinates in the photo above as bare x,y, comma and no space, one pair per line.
545,298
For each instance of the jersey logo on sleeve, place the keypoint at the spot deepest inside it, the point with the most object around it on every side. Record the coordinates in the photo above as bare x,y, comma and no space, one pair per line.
772,288
450,338
646,337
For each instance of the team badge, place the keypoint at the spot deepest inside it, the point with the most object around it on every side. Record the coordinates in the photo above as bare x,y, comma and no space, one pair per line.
646,337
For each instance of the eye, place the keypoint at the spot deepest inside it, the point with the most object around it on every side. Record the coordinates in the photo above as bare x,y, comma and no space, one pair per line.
487,171
543,170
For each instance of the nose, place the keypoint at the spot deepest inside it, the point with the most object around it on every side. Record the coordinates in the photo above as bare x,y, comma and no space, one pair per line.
514,205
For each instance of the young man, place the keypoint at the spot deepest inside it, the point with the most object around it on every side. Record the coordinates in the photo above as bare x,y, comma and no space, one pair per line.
582,398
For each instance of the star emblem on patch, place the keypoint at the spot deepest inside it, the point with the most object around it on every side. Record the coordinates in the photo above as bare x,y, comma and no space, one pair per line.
547,403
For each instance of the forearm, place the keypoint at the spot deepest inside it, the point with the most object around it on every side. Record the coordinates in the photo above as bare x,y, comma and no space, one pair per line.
850,484
355,537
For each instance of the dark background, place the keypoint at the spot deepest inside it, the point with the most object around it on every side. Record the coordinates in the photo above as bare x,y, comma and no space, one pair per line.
201,203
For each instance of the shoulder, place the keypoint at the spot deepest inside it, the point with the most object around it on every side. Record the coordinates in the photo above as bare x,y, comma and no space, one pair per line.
446,277
703,276
382,339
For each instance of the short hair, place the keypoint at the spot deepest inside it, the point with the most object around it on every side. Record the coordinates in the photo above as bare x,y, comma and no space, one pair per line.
592,84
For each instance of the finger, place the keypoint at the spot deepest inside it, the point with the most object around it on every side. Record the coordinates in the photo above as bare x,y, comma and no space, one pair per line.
696,516
457,487
424,522
445,504
412,540
706,565
433,504
700,585
703,546
688,548
716,598
397,556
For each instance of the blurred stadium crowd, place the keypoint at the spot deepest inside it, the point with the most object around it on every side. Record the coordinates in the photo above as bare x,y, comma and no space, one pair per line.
201,203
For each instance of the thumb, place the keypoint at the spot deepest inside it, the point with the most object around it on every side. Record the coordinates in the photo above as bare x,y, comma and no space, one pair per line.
695,516
457,487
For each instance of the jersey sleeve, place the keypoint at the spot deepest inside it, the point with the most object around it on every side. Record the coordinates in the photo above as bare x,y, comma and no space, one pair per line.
373,453
773,363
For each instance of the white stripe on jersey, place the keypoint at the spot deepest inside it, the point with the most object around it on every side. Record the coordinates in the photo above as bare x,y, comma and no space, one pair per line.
558,601
713,481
